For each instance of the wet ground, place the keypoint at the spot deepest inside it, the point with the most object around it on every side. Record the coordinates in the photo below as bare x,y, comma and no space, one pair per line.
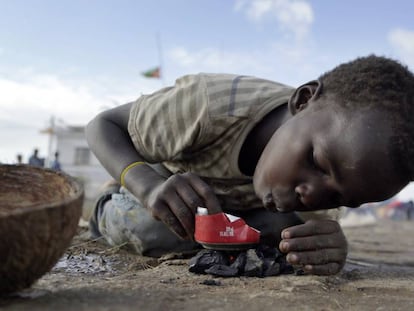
379,275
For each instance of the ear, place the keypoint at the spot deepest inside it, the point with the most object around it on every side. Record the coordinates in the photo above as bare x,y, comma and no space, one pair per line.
303,95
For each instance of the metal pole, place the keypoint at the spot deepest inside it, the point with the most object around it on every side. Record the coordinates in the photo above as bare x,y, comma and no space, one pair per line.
160,60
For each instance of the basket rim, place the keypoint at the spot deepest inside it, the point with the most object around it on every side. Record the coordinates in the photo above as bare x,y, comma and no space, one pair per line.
78,192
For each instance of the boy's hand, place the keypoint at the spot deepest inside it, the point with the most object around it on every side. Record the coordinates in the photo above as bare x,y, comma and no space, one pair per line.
175,202
319,246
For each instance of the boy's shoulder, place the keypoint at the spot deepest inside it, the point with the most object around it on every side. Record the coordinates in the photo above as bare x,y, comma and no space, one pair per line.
232,87
227,79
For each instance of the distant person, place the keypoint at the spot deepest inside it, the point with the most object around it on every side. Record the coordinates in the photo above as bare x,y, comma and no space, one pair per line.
34,159
55,165
19,159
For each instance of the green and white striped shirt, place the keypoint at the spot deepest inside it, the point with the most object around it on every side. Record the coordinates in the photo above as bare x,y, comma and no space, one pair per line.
200,124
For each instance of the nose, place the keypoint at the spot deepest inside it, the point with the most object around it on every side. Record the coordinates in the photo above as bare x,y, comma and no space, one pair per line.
317,194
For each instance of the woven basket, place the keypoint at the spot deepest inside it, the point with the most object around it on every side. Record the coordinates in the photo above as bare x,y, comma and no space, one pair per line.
39,214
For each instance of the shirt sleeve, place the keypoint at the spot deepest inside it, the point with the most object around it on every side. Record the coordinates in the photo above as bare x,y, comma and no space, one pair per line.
171,121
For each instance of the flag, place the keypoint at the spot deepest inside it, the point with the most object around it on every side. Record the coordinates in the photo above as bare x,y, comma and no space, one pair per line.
153,73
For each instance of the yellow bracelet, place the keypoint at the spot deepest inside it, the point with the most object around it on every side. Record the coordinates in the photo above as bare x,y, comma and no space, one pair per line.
133,164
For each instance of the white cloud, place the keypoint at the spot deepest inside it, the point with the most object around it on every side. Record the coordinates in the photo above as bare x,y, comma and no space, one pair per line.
29,99
292,16
402,41
39,96
215,60
283,62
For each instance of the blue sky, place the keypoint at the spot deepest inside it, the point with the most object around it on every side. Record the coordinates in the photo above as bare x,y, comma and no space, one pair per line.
72,59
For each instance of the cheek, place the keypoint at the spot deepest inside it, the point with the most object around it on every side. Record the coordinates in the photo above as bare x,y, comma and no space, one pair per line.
280,167
277,165
269,170
260,178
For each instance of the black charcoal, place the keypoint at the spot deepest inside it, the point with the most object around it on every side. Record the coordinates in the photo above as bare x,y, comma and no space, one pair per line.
254,265
205,259
222,270
262,261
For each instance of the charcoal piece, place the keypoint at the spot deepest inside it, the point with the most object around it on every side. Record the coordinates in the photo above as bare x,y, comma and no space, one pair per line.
254,265
211,282
285,267
207,258
270,253
267,251
271,267
260,262
239,263
222,270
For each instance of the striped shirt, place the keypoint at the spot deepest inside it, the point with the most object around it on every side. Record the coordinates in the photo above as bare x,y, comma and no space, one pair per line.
199,126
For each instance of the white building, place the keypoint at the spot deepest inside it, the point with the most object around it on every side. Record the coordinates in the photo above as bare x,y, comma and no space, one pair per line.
76,158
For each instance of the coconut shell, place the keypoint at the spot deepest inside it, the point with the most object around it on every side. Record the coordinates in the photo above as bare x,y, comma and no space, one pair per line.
39,215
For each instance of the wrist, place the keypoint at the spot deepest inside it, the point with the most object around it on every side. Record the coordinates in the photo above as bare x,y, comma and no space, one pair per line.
126,169
140,180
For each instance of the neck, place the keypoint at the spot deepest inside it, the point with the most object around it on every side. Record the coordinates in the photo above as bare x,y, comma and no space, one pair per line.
258,138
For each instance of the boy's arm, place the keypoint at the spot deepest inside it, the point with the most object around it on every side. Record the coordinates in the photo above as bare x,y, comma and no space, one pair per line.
108,138
173,200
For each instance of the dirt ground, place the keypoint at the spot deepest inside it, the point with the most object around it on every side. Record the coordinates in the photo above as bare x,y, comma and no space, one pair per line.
379,275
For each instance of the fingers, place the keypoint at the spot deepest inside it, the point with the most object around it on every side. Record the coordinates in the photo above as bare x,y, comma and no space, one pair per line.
327,269
162,213
189,197
177,216
319,246
313,242
207,195
176,200
194,192
319,257
311,227
320,262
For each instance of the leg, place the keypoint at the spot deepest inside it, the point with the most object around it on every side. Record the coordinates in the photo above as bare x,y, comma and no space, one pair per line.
121,219
269,223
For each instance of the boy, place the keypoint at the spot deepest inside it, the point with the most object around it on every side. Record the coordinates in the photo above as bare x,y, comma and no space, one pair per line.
238,144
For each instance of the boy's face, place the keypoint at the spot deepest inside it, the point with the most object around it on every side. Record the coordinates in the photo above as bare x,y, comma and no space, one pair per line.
321,159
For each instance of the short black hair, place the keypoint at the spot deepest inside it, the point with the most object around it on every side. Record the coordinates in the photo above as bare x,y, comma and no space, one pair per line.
384,84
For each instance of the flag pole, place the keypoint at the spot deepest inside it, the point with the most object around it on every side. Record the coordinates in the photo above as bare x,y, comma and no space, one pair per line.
162,68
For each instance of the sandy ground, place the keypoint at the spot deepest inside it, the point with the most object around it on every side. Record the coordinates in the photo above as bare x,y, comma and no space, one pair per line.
379,275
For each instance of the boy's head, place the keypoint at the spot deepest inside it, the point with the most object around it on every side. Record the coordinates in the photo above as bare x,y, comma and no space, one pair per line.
349,140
